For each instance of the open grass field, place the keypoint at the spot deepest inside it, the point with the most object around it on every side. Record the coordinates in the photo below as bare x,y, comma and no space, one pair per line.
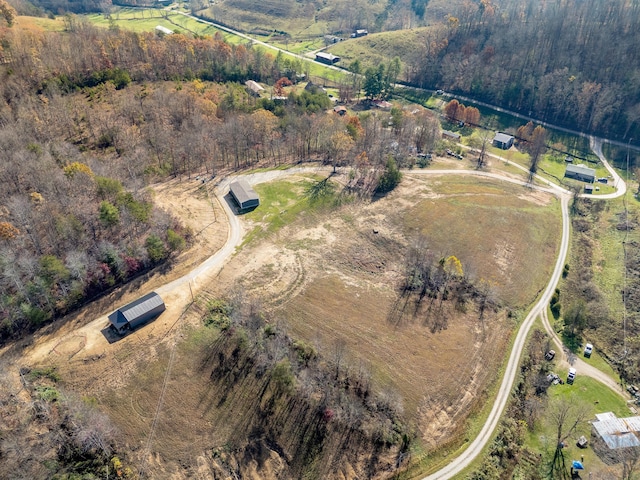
41,23
322,274
146,20
332,281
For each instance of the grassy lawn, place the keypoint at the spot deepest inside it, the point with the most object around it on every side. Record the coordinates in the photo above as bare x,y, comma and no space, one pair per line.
281,203
590,395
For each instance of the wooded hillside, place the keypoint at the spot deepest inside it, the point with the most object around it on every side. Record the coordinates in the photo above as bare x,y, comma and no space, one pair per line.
570,62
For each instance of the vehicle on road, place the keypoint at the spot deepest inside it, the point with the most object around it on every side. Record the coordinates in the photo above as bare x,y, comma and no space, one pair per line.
571,376
588,349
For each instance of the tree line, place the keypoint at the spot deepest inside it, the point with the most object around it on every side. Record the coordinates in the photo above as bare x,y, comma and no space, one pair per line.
567,62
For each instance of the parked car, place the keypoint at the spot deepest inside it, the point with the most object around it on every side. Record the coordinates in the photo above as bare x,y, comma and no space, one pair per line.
588,348
439,92
549,355
571,376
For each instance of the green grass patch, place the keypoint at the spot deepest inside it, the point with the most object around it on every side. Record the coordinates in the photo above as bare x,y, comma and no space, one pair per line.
281,203
593,396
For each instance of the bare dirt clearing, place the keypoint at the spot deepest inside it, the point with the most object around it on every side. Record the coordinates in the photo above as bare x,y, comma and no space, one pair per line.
78,340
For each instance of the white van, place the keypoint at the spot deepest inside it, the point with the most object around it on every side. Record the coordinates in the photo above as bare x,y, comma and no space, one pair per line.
572,375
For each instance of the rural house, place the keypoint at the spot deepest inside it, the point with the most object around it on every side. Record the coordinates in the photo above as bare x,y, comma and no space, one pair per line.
362,33
580,172
136,313
503,141
327,58
611,432
254,88
244,195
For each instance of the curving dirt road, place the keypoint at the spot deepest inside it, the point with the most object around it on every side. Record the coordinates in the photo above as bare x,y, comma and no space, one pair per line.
213,264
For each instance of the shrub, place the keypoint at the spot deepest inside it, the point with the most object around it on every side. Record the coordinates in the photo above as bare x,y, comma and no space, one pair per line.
219,314
390,178
156,249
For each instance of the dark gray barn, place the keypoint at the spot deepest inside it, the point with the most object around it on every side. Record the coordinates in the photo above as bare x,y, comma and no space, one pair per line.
327,58
244,195
137,312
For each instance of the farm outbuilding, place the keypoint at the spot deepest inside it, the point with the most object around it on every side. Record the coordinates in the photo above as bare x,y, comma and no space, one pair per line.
327,58
580,172
138,312
244,195
160,30
447,135
503,141
616,432
254,88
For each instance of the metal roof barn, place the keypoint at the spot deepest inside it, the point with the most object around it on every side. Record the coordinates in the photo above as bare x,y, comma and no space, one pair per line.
580,172
617,432
137,312
244,195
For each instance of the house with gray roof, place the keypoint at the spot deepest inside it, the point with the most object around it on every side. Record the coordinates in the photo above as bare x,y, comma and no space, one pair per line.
580,172
503,141
616,432
327,58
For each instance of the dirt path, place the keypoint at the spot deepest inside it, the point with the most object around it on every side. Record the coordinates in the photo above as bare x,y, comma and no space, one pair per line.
217,233
177,293
583,368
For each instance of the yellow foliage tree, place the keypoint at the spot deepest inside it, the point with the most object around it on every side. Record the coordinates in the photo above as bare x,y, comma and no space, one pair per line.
8,231
36,197
453,266
76,167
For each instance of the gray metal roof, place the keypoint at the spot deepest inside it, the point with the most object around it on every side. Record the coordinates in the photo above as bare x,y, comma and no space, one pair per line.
254,86
502,138
618,432
623,440
582,170
447,133
242,191
141,306
327,56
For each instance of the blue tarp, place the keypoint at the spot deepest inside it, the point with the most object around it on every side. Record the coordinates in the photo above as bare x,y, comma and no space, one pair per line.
577,465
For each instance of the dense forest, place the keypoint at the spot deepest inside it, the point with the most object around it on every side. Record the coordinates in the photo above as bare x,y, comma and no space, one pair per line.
89,117
568,62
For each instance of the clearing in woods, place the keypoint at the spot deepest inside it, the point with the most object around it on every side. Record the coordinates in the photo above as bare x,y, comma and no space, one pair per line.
331,277
333,281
